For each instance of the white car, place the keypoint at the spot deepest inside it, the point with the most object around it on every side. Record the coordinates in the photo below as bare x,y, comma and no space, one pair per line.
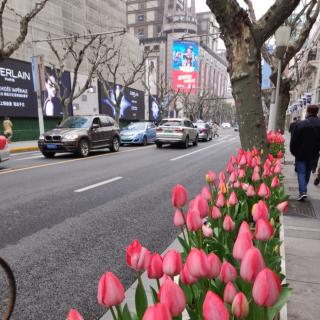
225,125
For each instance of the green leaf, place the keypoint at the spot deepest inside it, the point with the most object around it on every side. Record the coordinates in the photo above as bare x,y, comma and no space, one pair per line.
192,314
282,300
141,300
184,244
187,292
154,295
126,315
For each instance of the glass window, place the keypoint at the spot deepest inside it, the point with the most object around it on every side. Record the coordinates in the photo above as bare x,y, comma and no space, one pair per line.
76,122
171,123
137,126
106,121
141,17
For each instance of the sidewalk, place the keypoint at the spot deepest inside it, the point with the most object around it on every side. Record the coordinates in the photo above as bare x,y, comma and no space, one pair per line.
302,246
23,146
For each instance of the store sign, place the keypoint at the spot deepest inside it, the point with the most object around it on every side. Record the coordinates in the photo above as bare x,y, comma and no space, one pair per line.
131,106
185,66
17,96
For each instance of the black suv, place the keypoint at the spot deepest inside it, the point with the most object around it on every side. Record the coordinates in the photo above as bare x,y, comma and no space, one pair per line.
80,134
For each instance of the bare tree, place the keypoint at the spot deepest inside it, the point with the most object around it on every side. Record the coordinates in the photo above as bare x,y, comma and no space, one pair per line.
92,50
7,48
244,39
116,75
194,104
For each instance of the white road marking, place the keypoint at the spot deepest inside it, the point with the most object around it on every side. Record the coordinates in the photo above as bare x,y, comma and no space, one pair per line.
98,184
23,153
28,158
191,153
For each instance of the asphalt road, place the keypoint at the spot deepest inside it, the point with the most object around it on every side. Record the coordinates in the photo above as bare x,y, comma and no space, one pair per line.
65,221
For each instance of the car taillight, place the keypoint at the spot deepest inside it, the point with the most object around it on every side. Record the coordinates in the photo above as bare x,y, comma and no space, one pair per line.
202,130
159,129
179,130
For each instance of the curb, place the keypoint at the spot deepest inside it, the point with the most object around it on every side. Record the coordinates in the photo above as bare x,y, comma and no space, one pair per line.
23,149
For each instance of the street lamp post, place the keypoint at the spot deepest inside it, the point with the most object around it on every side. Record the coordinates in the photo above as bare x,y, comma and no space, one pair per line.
282,36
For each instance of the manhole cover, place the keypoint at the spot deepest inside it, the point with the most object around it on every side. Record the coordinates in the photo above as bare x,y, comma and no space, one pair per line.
301,209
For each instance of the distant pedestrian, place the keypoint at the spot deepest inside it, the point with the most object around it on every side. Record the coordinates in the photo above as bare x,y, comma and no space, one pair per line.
215,130
305,146
293,124
7,128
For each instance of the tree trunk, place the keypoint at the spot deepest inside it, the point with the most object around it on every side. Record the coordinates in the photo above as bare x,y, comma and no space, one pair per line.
284,99
65,104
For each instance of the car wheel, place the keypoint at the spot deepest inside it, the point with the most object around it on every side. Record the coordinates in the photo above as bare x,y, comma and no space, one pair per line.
186,143
159,144
144,141
211,136
84,148
115,144
207,137
195,142
48,154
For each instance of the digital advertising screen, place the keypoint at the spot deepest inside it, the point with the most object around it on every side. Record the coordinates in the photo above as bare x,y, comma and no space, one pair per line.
17,96
185,66
154,108
132,103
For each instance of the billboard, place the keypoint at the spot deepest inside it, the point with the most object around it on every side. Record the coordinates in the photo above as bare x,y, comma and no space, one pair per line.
152,75
52,106
185,66
154,108
17,96
131,106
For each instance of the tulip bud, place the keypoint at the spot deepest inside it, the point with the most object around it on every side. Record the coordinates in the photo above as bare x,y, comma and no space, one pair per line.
230,167
137,257
222,176
240,306
197,263
155,267
110,290
250,191
233,159
275,183
233,177
213,308
260,211
211,177
222,187
200,204
74,315
215,213
229,293
283,206
194,221
237,184
242,161
186,276
206,194
179,196
242,174
241,245
172,263
228,224
233,200
178,219
263,230
228,272
214,266
207,231
220,200
245,228
263,191
172,296
266,288
157,312
251,264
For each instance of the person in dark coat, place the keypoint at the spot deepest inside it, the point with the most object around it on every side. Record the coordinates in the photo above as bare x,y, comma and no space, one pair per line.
305,146
293,124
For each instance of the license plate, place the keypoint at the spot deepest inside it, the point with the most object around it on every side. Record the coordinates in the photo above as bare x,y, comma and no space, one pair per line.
52,146
167,131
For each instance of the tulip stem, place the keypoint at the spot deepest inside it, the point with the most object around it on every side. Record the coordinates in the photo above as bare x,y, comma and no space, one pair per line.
184,236
158,284
119,312
113,314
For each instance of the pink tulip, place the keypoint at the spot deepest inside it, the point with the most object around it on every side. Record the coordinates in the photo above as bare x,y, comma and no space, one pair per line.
240,306
110,290
280,154
237,184
194,221
213,308
220,200
211,177
260,211
228,223
207,231
222,176
200,204
243,161
172,296
214,266
206,194
283,206
251,264
242,174
197,263
241,245
256,175
155,267
263,191
179,196
230,167
250,191
228,272
266,288
74,315
254,162
229,293
178,218
137,257
172,263
233,200
215,213
266,172
263,230
245,228
157,312
186,276
233,177
244,186
277,168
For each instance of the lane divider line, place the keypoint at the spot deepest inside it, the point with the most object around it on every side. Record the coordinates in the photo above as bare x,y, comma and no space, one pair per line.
29,158
99,184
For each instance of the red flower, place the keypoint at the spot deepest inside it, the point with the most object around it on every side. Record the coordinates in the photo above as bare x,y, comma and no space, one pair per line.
211,177
250,191
263,230
74,315
275,183
240,306
263,191
206,194
200,204
186,276
179,196
220,200
213,308
157,312
229,293
155,267
241,245
207,231
228,272
228,223
194,221
251,264
283,206
110,290
214,266
260,211
178,219
172,263
137,257
245,228
233,200
197,263
215,213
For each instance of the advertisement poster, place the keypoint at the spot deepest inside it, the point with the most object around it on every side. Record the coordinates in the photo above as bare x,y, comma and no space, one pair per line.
185,66
152,75
154,108
132,103
17,96
52,106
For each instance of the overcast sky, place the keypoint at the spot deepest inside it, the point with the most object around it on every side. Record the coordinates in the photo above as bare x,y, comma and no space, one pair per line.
260,6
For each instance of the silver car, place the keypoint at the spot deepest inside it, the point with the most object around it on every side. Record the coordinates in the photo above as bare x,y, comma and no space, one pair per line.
176,131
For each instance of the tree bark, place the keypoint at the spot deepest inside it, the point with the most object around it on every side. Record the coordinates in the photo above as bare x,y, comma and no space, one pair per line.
284,99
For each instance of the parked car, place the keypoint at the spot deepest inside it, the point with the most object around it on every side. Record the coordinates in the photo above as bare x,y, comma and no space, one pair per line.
204,130
79,135
138,133
176,131
225,125
236,127
4,150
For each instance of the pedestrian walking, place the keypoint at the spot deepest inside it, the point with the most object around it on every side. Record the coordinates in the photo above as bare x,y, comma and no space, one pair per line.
305,146
7,129
215,130
293,124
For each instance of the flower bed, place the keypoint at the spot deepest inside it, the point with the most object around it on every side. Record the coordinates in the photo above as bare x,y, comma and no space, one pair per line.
230,264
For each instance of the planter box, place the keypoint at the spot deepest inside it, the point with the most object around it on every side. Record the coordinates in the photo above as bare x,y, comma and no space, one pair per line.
283,312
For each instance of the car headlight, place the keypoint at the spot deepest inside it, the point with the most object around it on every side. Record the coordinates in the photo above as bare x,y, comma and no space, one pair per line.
41,137
70,136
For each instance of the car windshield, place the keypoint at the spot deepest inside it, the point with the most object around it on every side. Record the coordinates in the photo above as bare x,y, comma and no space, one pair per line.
136,126
76,122
200,125
171,123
